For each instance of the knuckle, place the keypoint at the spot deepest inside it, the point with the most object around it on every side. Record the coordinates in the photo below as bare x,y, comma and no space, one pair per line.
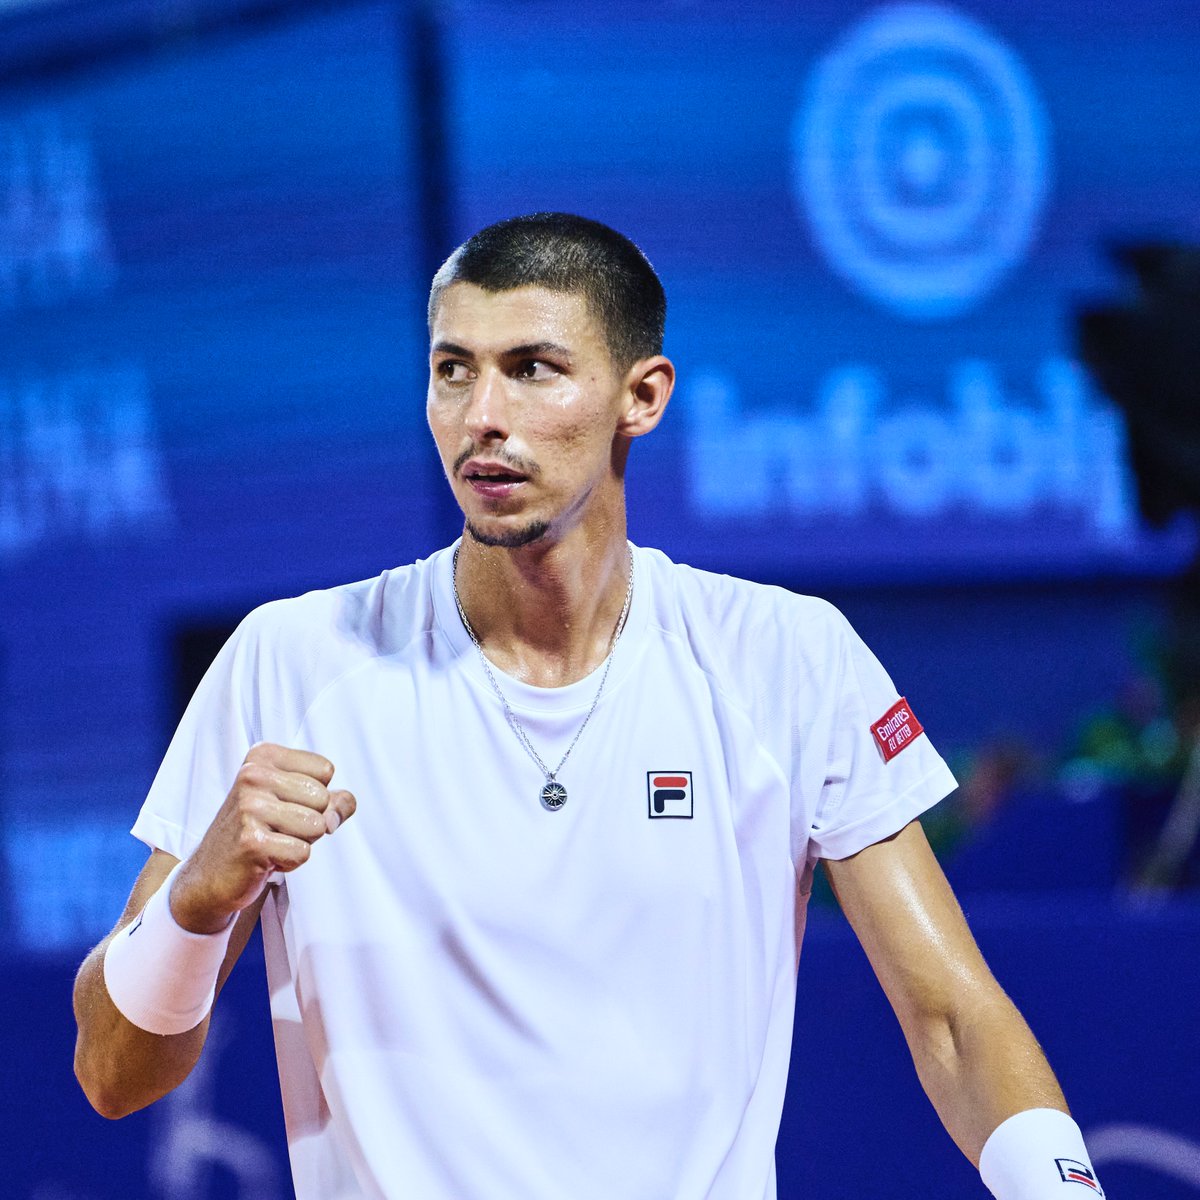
253,775
251,837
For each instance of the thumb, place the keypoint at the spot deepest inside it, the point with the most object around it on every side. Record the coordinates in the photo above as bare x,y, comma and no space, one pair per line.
341,807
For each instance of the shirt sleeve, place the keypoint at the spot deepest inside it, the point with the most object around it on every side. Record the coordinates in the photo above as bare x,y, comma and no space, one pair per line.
219,726
872,788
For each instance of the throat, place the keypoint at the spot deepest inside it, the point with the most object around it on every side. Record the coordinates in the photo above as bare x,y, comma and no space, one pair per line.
546,670
544,636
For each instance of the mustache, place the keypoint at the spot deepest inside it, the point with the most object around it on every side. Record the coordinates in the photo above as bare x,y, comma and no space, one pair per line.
516,462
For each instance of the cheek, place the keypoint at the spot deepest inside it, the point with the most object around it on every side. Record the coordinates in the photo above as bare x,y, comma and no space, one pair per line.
437,417
576,436
580,422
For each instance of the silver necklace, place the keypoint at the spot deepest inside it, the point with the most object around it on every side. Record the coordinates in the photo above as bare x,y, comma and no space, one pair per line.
553,795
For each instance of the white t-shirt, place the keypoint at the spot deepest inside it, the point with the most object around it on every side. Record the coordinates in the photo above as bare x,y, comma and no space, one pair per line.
477,999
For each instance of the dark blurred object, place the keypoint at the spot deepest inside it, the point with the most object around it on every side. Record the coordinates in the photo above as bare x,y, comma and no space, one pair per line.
1145,355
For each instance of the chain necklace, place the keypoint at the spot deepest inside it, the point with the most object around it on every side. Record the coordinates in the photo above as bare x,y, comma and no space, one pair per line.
553,795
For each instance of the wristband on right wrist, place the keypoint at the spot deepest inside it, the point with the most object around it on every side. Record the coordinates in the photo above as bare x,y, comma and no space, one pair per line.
163,977
1034,1155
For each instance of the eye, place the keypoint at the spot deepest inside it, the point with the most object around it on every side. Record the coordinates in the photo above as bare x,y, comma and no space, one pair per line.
535,370
453,371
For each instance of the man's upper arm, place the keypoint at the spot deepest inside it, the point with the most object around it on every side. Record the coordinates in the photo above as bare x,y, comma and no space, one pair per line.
896,897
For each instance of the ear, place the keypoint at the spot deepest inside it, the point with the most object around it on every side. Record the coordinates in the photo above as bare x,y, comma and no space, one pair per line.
648,387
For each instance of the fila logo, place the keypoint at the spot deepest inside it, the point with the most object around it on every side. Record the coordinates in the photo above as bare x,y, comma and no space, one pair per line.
1077,1172
669,794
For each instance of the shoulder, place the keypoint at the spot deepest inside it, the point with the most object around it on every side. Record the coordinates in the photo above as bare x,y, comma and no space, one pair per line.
764,647
367,618
688,598
776,657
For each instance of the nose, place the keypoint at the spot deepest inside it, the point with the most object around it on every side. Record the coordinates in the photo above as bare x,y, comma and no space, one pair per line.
486,416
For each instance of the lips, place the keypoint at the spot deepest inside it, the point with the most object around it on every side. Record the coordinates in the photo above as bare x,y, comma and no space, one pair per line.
491,479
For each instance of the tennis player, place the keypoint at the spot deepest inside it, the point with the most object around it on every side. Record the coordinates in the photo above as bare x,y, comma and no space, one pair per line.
530,825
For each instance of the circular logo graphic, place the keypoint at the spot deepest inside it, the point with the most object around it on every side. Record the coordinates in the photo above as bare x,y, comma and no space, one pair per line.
920,156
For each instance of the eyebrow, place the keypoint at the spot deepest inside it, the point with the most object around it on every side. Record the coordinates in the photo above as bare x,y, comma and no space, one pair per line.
527,350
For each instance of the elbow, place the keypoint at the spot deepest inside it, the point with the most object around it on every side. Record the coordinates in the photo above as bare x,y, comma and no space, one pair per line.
110,1101
941,1036
108,1110
936,1044
104,1101
118,1081
948,1040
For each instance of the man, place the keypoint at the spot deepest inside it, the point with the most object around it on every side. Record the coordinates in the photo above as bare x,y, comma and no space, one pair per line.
591,783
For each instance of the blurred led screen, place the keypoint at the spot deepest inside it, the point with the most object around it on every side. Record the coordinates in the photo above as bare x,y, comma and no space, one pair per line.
874,223
208,291
212,292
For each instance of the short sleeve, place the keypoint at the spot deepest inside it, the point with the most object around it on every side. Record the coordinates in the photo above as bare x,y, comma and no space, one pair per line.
865,795
220,725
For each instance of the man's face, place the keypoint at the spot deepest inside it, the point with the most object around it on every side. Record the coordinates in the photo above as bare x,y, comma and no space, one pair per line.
524,403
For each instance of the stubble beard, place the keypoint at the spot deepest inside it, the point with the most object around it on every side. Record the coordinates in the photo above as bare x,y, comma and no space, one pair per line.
512,539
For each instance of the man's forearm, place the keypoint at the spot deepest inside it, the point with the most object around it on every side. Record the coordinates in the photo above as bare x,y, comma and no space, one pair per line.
976,1058
979,1065
120,1067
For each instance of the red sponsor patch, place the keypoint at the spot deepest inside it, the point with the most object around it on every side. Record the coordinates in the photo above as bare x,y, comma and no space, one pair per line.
896,729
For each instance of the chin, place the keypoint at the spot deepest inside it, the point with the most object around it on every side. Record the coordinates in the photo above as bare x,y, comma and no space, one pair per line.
508,538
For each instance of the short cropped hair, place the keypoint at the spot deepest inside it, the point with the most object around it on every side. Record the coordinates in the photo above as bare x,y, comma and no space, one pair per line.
565,253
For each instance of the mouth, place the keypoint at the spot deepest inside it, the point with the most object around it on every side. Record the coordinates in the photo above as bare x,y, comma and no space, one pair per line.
492,480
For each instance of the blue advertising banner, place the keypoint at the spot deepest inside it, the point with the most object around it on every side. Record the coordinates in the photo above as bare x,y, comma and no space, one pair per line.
212,287
874,222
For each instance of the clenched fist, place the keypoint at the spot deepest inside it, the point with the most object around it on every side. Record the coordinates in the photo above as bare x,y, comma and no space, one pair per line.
279,805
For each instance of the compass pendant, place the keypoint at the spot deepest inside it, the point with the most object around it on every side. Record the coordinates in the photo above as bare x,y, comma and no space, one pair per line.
554,795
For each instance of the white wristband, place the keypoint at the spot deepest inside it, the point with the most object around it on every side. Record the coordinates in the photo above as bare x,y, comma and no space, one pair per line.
1035,1155
160,976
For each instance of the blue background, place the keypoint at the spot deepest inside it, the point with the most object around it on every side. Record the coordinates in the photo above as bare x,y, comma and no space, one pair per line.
217,227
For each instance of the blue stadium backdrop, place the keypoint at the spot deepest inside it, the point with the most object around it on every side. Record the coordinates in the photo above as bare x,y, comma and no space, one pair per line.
210,393
874,221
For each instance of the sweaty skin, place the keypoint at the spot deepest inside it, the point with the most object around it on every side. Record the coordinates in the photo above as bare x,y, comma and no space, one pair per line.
975,1056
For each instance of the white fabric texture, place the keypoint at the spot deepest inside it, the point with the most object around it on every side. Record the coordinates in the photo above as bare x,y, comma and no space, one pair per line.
476,999
1037,1154
161,976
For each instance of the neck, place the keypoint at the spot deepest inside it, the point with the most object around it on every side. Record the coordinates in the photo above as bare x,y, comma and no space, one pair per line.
545,613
